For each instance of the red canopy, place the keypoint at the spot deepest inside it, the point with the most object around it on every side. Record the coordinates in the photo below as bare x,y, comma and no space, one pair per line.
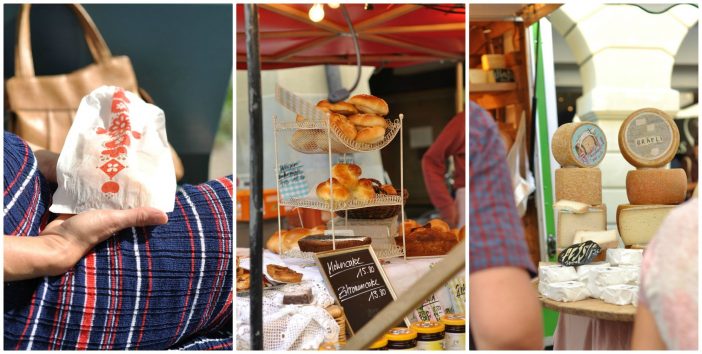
390,35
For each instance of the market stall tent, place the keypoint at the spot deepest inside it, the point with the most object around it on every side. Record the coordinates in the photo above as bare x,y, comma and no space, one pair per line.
390,35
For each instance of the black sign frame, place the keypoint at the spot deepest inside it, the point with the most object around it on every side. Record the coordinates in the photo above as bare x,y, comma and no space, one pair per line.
321,256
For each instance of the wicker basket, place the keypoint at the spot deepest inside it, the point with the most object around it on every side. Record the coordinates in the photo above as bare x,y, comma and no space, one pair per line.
341,320
377,212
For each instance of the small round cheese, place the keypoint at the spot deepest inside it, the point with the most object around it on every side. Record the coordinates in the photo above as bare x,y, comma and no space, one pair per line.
581,144
649,138
656,186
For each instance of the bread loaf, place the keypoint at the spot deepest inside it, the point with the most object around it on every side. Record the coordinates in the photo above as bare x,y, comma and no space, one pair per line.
370,104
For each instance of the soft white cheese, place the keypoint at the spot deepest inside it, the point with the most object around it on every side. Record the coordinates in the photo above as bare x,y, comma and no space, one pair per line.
568,291
620,294
556,274
623,256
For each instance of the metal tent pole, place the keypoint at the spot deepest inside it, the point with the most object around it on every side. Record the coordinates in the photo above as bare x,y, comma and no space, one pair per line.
253,64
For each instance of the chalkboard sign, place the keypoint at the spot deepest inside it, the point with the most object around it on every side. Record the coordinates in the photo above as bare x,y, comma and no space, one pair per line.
354,276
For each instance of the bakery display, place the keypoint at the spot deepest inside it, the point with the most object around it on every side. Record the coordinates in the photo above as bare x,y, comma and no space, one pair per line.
321,243
283,274
432,239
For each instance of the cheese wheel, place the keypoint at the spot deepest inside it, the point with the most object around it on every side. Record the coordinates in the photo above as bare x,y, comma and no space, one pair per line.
649,138
638,223
581,144
582,185
656,186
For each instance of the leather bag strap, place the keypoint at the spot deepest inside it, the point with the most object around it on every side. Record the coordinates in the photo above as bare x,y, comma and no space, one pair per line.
24,61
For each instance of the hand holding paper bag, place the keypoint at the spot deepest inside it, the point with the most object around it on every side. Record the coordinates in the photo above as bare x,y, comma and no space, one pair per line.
116,156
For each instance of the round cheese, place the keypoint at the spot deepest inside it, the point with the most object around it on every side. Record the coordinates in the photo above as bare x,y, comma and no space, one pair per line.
581,144
656,186
648,138
582,185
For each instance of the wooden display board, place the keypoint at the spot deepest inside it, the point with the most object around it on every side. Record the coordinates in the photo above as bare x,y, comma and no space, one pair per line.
357,280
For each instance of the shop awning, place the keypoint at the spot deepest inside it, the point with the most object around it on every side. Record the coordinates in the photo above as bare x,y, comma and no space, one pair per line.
390,35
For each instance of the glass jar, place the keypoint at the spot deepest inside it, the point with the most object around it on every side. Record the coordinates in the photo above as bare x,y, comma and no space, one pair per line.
455,338
430,335
380,344
401,338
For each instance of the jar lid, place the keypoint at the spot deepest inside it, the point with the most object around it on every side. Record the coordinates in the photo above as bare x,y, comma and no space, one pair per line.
381,342
454,319
428,327
401,333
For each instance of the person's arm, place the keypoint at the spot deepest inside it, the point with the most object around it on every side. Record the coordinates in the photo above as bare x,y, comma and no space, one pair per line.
434,168
504,310
646,335
68,238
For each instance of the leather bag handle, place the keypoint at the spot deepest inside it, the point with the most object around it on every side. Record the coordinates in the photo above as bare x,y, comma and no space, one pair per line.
24,61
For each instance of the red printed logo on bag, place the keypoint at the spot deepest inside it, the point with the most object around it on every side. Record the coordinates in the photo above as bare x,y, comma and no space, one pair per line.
113,158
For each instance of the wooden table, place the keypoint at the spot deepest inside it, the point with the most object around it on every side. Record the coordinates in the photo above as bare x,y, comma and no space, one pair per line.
594,308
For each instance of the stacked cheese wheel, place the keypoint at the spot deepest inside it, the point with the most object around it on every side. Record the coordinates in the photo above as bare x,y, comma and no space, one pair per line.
649,139
579,148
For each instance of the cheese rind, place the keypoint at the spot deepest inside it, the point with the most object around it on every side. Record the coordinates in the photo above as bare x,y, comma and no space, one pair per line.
557,274
648,138
656,186
583,271
581,144
623,256
582,185
566,291
595,219
598,278
621,294
571,206
637,224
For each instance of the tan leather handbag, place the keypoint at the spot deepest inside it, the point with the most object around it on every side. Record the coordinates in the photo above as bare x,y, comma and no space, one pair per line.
43,107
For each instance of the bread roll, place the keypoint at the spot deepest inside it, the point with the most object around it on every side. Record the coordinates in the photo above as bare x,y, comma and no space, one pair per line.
440,225
368,120
408,225
299,118
343,124
290,239
344,108
340,193
370,104
389,189
346,174
364,190
370,135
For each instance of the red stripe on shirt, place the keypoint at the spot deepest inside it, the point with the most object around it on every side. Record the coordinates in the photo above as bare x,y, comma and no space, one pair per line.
90,298
19,172
192,269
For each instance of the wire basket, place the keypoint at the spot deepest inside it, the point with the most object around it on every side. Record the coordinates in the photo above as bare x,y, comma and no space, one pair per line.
310,137
376,212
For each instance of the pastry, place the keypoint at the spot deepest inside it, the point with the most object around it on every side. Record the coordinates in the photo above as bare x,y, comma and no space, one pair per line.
347,174
341,123
370,104
427,242
299,118
368,120
408,225
344,108
370,135
389,189
364,190
243,281
290,239
440,225
320,243
339,193
283,274
462,233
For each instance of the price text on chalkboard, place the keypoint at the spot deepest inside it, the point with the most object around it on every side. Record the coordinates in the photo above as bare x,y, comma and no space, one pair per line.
355,277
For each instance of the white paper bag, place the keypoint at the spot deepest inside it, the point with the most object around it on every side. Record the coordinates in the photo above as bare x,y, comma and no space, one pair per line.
116,156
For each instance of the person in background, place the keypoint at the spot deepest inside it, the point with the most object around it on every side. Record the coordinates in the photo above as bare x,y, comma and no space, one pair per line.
450,142
504,309
666,316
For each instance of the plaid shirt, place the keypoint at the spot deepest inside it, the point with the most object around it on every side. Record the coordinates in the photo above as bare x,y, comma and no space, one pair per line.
496,233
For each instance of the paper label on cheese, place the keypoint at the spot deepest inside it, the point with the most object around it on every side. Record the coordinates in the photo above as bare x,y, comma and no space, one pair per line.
589,144
648,136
